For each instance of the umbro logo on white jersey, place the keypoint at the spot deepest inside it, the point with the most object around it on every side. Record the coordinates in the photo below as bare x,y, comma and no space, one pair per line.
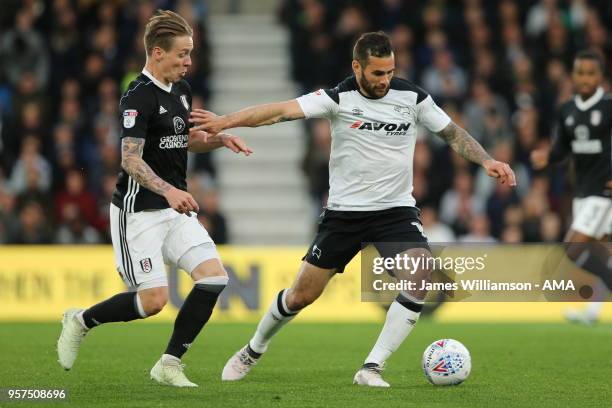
162,110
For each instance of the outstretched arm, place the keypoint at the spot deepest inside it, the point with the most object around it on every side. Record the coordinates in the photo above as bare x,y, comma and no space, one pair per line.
200,142
132,162
468,148
254,116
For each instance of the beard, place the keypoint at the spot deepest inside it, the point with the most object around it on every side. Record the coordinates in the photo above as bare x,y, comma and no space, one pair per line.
371,90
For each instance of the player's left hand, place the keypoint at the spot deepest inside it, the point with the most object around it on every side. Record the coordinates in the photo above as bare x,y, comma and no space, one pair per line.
235,144
500,170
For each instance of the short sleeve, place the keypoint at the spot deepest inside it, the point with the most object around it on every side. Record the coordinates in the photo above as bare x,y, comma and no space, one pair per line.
561,139
135,109
431,116
319,104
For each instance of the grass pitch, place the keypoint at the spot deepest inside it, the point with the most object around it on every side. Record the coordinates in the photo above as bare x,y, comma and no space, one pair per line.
312,365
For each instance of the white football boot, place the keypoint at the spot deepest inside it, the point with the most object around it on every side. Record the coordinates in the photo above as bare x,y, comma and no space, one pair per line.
238,366
70,339
169,371
580,317
371,376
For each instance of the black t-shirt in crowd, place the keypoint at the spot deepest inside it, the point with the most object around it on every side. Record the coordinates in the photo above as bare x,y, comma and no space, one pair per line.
158,114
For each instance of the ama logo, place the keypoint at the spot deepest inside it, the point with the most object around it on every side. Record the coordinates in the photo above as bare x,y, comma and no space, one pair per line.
392,129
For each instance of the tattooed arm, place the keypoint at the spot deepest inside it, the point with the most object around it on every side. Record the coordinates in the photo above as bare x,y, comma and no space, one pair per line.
468,148
254,116
133,164
464,144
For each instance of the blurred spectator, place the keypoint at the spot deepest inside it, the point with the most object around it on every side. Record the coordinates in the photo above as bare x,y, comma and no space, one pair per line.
24,47
445,80
436,231
550,228
31,169
487,115
478,230
75,201
211,216
512,234
539,16
73,229
503,197
8,223
535,206
459,205
33,227
316,163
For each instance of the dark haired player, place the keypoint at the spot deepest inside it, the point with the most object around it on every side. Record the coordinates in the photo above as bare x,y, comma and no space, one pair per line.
584,132
373,120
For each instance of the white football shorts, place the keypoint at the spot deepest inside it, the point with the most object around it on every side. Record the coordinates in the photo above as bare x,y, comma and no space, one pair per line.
145,242
592,216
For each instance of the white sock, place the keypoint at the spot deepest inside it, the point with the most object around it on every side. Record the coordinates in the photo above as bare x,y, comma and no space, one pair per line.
275,318
398,325
169,358
79,317
593,309
139,306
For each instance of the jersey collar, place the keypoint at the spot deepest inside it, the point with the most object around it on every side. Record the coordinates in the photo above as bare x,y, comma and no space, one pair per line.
149,75
589,103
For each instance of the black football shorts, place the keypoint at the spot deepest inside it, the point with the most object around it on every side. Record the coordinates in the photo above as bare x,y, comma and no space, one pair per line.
341,234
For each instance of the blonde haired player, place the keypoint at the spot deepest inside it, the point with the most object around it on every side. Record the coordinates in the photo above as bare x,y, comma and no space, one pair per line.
152,216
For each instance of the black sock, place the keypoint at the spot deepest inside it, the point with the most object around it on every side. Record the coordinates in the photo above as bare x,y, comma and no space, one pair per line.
193,315
252,352
594,259
119,308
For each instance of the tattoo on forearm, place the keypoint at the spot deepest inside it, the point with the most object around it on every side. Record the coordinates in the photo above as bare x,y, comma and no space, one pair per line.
278,120
137,168
464,144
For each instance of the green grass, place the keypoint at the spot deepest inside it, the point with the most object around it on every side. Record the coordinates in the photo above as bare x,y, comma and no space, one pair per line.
312,365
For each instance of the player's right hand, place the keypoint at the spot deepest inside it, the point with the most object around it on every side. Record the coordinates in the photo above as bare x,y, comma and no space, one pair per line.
207,121
181,201
539,158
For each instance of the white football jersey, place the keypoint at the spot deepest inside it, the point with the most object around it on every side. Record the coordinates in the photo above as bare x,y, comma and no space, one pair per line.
373,140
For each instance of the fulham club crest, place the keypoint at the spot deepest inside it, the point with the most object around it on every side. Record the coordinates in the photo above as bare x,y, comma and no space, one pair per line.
316,251
146,265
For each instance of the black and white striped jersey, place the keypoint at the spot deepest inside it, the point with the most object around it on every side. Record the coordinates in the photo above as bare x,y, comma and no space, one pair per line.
158,114
584,131
373,141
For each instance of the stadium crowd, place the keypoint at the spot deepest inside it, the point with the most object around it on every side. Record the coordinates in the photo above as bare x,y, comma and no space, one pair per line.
499,68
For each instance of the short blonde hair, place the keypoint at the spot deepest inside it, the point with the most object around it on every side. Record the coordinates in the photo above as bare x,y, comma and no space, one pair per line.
162,28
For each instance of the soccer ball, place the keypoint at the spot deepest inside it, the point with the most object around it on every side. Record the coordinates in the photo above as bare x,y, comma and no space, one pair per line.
446,362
